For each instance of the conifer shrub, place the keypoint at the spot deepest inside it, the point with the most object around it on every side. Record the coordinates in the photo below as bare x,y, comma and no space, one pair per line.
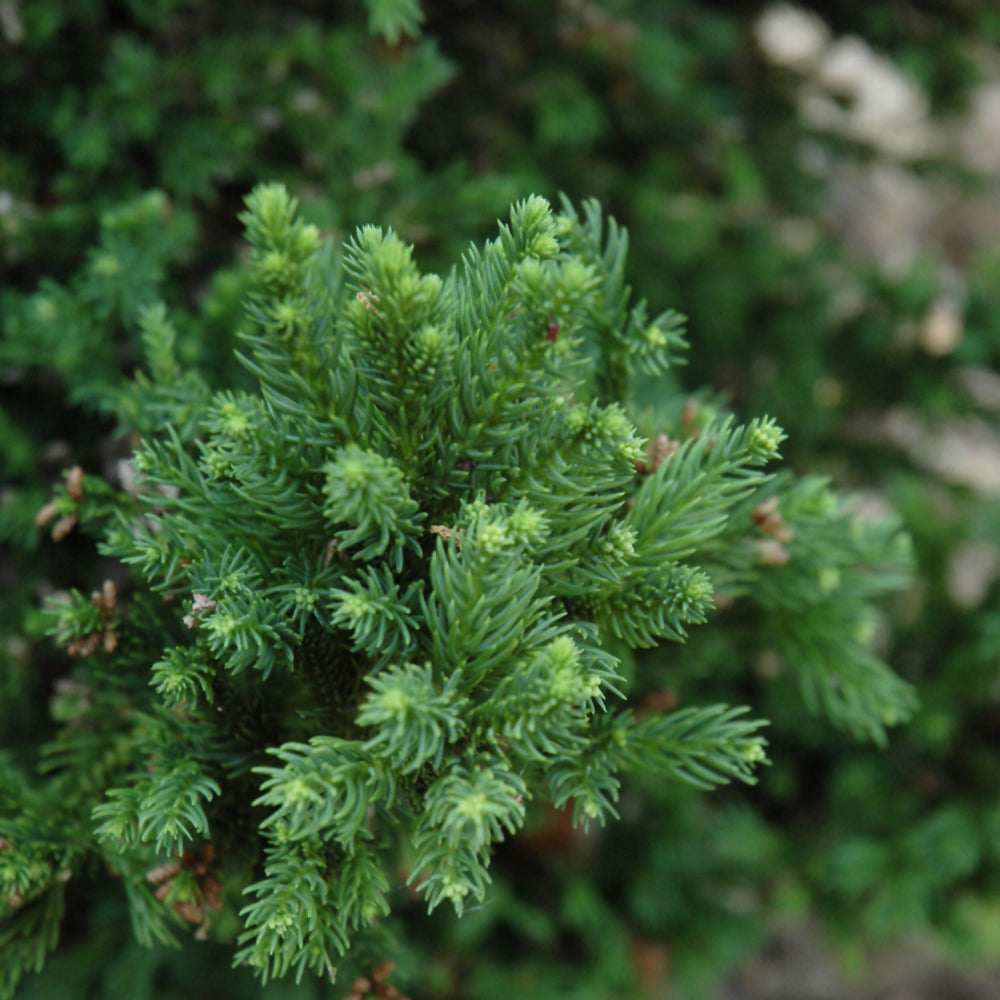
667,113
389,601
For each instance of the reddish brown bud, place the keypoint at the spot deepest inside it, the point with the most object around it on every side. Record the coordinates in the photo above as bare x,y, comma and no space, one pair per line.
211,887
191,912
768,519
163,872
64,526
383,970
689,417
658,450
46,514
651,960
662,700
84,646
765,510
74,483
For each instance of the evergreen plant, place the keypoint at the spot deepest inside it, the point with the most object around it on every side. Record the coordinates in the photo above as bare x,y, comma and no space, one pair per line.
390,601
666,111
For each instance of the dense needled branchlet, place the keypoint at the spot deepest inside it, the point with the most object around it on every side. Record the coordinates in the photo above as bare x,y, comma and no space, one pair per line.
393,587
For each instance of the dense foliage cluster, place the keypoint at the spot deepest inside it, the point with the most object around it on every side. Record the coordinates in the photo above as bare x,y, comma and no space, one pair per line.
403,569
758,188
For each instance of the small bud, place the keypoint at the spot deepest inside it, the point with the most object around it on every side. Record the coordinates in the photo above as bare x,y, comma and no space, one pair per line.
307,241
655,337
162,873
769,520
493,539
429,345
46,514
765,510
211,888
527,525
661,700
690,418
576,418
772,552
305,598
74,483
889,716
765,439
657,451
532,220
84,646
190,911
64,526
619,543
107,265
383,970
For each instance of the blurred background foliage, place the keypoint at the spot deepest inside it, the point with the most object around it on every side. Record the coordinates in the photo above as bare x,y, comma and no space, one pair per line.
816,190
